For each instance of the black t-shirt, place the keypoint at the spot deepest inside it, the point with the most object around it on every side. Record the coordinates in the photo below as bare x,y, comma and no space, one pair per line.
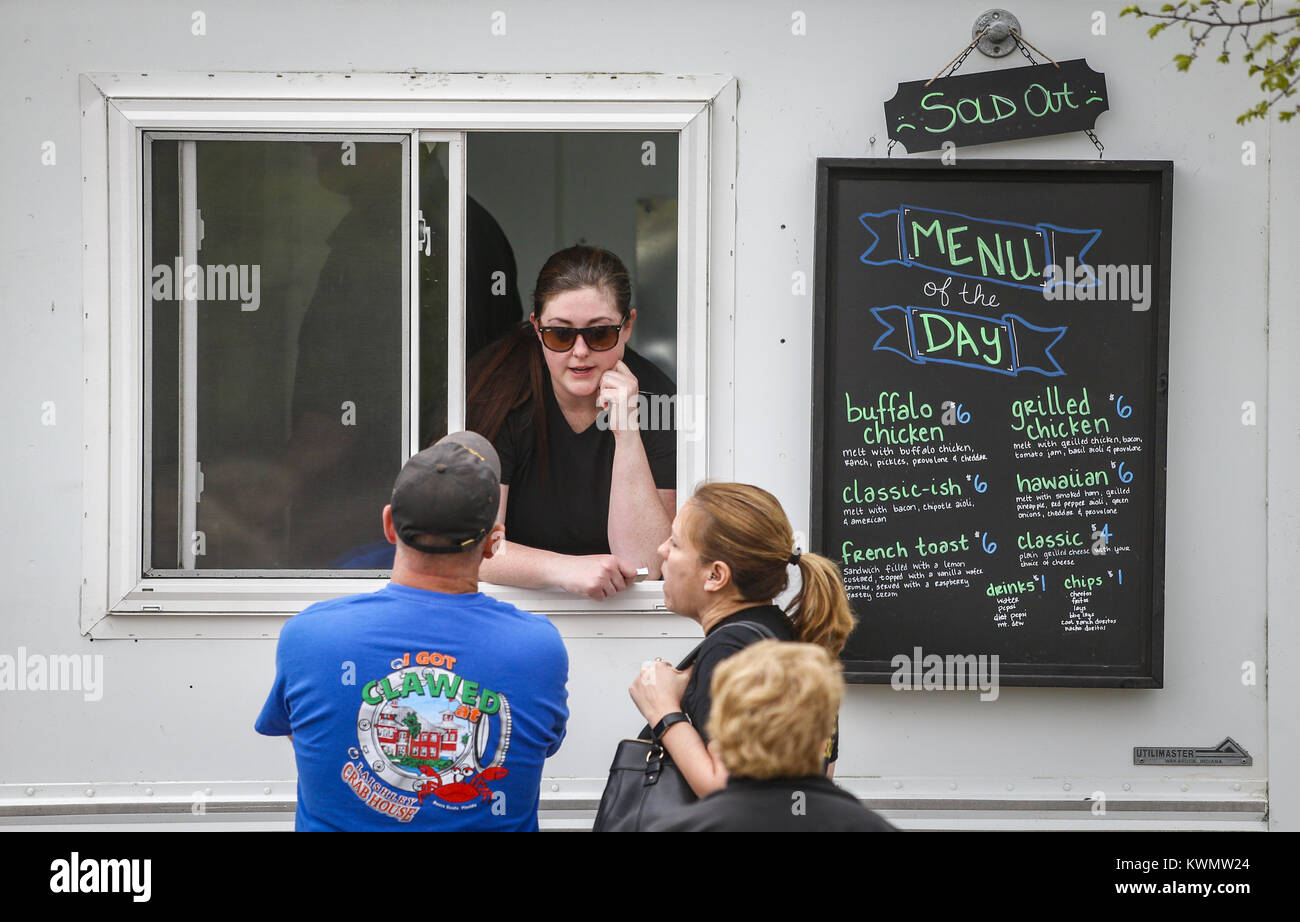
772,805
720,644
567,511
717,646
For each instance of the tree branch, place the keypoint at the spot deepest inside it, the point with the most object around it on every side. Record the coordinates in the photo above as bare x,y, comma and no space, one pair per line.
1276,72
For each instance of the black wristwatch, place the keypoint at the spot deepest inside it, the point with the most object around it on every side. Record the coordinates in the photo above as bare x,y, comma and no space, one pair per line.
661,728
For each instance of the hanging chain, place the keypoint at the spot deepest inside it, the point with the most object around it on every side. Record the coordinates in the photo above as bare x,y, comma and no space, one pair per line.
1023,50
961,59
1092,136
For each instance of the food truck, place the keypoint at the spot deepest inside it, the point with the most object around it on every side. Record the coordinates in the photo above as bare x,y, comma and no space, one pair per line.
1084,496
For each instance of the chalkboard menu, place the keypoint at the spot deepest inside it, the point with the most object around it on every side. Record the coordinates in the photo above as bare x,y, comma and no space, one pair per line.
990,380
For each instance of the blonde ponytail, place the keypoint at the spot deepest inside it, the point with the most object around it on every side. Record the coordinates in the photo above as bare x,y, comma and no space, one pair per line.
820,610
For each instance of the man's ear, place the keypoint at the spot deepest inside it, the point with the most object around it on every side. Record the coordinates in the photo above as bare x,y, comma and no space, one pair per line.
631,319
389,531
495,542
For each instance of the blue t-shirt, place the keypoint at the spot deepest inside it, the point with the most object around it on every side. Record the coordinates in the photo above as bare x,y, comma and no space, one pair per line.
412,709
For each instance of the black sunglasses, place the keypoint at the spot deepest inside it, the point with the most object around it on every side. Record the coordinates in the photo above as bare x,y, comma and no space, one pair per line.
598,339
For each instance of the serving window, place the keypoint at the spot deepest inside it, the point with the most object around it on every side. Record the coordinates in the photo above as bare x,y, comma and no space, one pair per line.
283,295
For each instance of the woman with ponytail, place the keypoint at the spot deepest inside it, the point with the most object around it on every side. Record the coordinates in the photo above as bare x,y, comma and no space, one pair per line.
727,558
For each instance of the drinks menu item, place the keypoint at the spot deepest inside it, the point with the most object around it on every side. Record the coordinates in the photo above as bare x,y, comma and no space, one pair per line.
991,359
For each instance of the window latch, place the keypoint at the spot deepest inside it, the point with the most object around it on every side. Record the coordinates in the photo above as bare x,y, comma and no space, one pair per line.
425,242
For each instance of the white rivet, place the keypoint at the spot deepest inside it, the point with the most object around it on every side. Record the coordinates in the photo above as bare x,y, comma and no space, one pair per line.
266,790
1235,787
1066,786
555,787
897,785
30,791
148,792
953,786
1184,787
1011,787
90,792
1128,787
207,792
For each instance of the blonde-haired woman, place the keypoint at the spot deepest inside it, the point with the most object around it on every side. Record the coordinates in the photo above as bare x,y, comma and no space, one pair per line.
725,561
774,705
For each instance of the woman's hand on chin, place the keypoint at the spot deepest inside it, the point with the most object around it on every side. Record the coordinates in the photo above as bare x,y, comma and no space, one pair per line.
597,576
618,393
658,689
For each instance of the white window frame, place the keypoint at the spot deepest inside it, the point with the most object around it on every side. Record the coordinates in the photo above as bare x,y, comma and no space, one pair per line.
116,601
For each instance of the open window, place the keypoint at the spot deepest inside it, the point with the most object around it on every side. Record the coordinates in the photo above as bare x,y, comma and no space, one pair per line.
275,394
284,282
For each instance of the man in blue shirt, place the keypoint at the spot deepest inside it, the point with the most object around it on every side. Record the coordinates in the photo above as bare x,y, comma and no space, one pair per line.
425,705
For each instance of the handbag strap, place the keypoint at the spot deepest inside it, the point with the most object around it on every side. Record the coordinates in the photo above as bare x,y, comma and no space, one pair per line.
762,630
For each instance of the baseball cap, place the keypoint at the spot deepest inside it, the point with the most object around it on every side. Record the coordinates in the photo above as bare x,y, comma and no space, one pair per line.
450,490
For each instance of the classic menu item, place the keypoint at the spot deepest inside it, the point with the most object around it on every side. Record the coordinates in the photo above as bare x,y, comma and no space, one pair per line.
991,356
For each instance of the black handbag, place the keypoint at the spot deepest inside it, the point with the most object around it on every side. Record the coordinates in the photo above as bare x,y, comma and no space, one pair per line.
644,785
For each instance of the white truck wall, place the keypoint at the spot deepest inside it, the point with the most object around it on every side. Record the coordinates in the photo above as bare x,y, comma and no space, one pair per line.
182,710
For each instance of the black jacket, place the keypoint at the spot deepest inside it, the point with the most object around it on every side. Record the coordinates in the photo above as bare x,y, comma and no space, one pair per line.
810,804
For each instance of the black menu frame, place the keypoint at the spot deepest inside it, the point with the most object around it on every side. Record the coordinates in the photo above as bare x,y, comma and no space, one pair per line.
997,179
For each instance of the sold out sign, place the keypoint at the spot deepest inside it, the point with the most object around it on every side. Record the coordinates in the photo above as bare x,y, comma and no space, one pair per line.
1021,102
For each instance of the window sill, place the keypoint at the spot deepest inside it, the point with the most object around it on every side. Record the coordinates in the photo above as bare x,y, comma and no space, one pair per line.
255,608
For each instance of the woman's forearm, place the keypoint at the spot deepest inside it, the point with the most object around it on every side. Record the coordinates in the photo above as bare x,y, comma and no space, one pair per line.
638,522
692,758
520,565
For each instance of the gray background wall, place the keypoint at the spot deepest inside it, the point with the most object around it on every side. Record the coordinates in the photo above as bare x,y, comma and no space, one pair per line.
182,710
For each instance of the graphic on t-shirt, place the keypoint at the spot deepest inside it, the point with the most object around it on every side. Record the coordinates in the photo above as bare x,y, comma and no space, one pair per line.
427,735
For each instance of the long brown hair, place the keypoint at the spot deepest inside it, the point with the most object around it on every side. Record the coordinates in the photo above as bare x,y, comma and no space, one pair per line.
512,371
745,527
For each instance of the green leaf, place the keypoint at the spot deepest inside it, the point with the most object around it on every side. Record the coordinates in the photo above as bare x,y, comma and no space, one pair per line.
1157,29
1183,61
1223,58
